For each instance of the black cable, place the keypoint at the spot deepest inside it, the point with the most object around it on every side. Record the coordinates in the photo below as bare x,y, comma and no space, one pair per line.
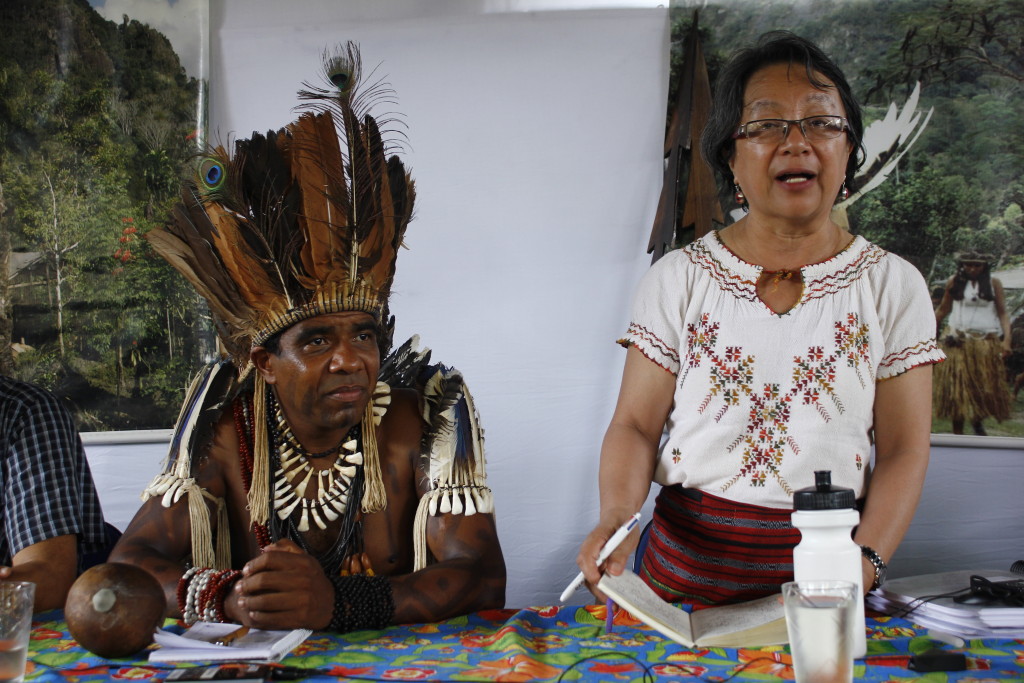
909,608
648,676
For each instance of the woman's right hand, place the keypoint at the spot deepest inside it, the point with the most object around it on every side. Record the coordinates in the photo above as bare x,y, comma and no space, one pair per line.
591,549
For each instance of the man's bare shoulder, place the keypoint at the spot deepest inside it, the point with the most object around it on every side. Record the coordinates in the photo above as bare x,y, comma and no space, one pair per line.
222,444
215,453
402,426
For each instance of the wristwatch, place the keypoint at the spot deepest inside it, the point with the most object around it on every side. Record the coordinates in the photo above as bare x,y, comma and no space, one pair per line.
879,564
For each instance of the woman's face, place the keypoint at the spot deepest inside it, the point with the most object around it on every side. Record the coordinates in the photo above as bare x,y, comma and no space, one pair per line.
973,269
793,180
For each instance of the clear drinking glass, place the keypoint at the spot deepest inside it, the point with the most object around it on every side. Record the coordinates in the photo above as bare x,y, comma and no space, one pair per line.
16,600
819,622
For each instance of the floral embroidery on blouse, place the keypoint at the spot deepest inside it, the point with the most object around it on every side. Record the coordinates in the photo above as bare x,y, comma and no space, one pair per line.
765,439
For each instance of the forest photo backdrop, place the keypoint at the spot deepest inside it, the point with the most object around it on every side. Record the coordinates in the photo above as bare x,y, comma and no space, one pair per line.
98,119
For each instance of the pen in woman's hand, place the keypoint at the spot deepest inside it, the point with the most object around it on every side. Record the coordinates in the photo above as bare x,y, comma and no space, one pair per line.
607,549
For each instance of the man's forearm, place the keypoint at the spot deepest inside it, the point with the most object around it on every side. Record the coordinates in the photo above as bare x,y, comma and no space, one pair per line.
52,585
447,589
51,564
165,570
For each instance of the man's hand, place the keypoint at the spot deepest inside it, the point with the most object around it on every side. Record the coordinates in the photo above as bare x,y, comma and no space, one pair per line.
283,588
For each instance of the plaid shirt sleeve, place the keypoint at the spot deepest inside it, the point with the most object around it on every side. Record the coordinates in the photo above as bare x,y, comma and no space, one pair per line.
46,488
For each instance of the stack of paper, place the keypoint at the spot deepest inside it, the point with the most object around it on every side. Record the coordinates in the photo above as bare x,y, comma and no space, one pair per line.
198,644
928,600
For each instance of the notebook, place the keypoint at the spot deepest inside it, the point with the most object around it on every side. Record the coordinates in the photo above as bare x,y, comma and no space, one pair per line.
198,643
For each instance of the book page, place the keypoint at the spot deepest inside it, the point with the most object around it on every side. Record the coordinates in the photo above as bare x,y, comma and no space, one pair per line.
749,624
630,592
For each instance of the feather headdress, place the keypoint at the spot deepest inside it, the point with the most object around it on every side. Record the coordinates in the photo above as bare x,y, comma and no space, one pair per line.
299,222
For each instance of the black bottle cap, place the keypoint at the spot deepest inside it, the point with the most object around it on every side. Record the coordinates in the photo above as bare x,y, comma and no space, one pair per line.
824,496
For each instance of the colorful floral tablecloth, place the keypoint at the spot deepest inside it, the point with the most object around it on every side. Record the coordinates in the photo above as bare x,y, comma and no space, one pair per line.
539,644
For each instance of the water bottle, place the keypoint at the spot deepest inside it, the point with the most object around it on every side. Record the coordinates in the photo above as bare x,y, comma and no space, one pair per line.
825,516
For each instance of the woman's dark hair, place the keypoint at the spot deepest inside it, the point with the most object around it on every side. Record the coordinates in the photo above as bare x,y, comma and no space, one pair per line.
716,142
960,280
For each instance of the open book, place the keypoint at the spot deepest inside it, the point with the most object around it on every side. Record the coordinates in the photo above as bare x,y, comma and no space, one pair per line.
198,644
749,624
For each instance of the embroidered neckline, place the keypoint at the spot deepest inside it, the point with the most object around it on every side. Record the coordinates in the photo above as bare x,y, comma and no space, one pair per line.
812,271
774,277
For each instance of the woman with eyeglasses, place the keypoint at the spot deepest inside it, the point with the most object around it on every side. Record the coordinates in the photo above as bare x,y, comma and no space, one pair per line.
763,352
971,384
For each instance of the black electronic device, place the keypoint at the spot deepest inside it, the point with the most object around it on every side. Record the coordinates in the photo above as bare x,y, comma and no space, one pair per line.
255,673
992,593
938,660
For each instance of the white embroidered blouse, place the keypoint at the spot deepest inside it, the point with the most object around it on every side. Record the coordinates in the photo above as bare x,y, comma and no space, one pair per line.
762,399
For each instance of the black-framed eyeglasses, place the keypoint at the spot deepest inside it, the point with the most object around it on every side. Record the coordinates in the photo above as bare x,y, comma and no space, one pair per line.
770,131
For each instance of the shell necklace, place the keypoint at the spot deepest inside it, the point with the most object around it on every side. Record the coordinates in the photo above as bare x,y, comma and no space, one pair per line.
294,472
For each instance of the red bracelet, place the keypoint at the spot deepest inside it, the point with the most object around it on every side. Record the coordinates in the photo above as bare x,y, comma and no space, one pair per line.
212,602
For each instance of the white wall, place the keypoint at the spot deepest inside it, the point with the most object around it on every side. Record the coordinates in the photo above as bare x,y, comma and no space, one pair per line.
971,514
536,145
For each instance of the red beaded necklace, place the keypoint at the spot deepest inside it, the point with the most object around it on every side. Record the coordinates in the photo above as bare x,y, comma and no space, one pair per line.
243,408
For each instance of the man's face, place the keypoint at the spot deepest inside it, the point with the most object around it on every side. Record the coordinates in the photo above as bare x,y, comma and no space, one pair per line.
323,374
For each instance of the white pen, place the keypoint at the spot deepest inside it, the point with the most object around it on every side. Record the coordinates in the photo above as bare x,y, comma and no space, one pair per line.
606,550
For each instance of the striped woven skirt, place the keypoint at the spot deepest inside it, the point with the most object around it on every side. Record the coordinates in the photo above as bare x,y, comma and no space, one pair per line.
702,549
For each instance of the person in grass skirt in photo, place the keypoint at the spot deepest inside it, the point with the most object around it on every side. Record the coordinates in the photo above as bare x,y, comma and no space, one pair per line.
971,384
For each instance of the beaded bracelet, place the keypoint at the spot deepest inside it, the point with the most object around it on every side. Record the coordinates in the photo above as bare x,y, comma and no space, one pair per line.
211,601
202,591
197,581
183,586
361,602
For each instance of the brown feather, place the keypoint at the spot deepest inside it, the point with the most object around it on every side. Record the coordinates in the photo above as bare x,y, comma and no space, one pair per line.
245,267
319,174
375,251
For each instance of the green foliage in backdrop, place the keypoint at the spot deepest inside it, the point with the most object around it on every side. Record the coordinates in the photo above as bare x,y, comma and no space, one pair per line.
97,120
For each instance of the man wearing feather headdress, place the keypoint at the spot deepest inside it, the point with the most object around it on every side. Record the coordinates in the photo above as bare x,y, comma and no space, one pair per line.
308,483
